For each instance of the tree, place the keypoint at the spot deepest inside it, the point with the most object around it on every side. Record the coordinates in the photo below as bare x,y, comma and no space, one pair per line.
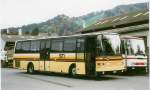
3,31
35,31
27,32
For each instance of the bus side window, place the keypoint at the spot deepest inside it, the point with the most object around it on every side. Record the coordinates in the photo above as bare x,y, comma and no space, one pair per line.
80,45
42,46
26,46
18,47
35,46
48,44
128,47
57,46
69,45
123,46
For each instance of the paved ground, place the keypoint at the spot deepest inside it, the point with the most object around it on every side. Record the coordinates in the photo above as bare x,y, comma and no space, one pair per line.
13,79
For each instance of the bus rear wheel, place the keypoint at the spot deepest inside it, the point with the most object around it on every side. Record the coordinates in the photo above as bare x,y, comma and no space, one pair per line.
30,69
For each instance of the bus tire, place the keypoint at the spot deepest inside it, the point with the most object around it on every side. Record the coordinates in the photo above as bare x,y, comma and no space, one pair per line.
30,68
72,70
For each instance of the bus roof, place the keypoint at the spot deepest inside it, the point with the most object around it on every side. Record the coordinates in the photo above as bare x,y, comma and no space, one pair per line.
75,35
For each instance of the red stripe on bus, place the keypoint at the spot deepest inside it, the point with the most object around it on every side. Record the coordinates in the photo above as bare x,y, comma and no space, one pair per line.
134,58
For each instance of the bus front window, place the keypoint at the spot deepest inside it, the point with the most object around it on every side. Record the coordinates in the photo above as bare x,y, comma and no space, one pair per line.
111,44
135,47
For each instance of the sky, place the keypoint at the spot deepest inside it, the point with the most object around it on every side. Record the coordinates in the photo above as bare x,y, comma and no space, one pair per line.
22,12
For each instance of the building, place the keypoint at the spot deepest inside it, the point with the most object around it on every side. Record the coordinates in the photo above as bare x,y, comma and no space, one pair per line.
130,24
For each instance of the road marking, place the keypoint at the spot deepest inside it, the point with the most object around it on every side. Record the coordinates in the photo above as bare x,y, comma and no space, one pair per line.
52,82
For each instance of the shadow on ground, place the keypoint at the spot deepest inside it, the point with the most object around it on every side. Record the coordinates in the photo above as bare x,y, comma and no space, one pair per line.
100,78
132,73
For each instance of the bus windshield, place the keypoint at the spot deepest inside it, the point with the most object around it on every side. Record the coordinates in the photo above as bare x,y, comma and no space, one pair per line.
111,44
135,47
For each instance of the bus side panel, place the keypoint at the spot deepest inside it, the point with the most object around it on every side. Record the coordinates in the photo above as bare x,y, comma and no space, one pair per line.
80,68
58,66
114,63
80,64
61,63
136,61
36,65
26,58
109,65
47,65
23,64
41,65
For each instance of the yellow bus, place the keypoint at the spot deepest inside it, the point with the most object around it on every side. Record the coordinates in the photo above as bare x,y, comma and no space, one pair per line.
83,54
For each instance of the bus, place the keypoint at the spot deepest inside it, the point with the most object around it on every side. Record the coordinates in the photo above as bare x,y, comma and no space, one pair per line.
133,49
83,54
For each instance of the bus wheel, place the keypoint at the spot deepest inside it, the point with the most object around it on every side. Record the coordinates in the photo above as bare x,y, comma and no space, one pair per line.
72,71
30,69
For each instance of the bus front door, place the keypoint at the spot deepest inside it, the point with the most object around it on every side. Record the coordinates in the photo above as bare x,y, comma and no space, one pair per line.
44,56
90,46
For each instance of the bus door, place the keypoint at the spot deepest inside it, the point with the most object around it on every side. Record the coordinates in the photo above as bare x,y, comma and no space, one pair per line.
80,57
90,54
124,52
44,55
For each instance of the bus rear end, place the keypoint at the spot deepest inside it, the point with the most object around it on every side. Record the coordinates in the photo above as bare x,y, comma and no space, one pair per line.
134,54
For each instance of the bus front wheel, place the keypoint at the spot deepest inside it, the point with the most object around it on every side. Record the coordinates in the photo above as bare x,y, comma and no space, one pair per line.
30,69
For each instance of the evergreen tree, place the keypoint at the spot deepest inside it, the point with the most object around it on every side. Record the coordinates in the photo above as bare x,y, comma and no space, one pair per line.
35,31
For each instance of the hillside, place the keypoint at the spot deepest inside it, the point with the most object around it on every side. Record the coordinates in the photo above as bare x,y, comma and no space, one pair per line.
122,9
63,24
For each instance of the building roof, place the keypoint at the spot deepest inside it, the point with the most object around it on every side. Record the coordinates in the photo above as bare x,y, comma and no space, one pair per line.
129,19
13,38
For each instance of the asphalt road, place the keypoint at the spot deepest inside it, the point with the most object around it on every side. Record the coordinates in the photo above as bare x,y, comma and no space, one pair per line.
13,79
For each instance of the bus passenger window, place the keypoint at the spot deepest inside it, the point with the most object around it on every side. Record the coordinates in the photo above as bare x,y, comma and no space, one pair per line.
18,47
123,46
57,45
35,46
26,46
80,45
42,46
47,44
69,45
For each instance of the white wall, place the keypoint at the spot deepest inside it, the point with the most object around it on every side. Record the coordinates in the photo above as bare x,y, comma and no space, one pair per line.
2,52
